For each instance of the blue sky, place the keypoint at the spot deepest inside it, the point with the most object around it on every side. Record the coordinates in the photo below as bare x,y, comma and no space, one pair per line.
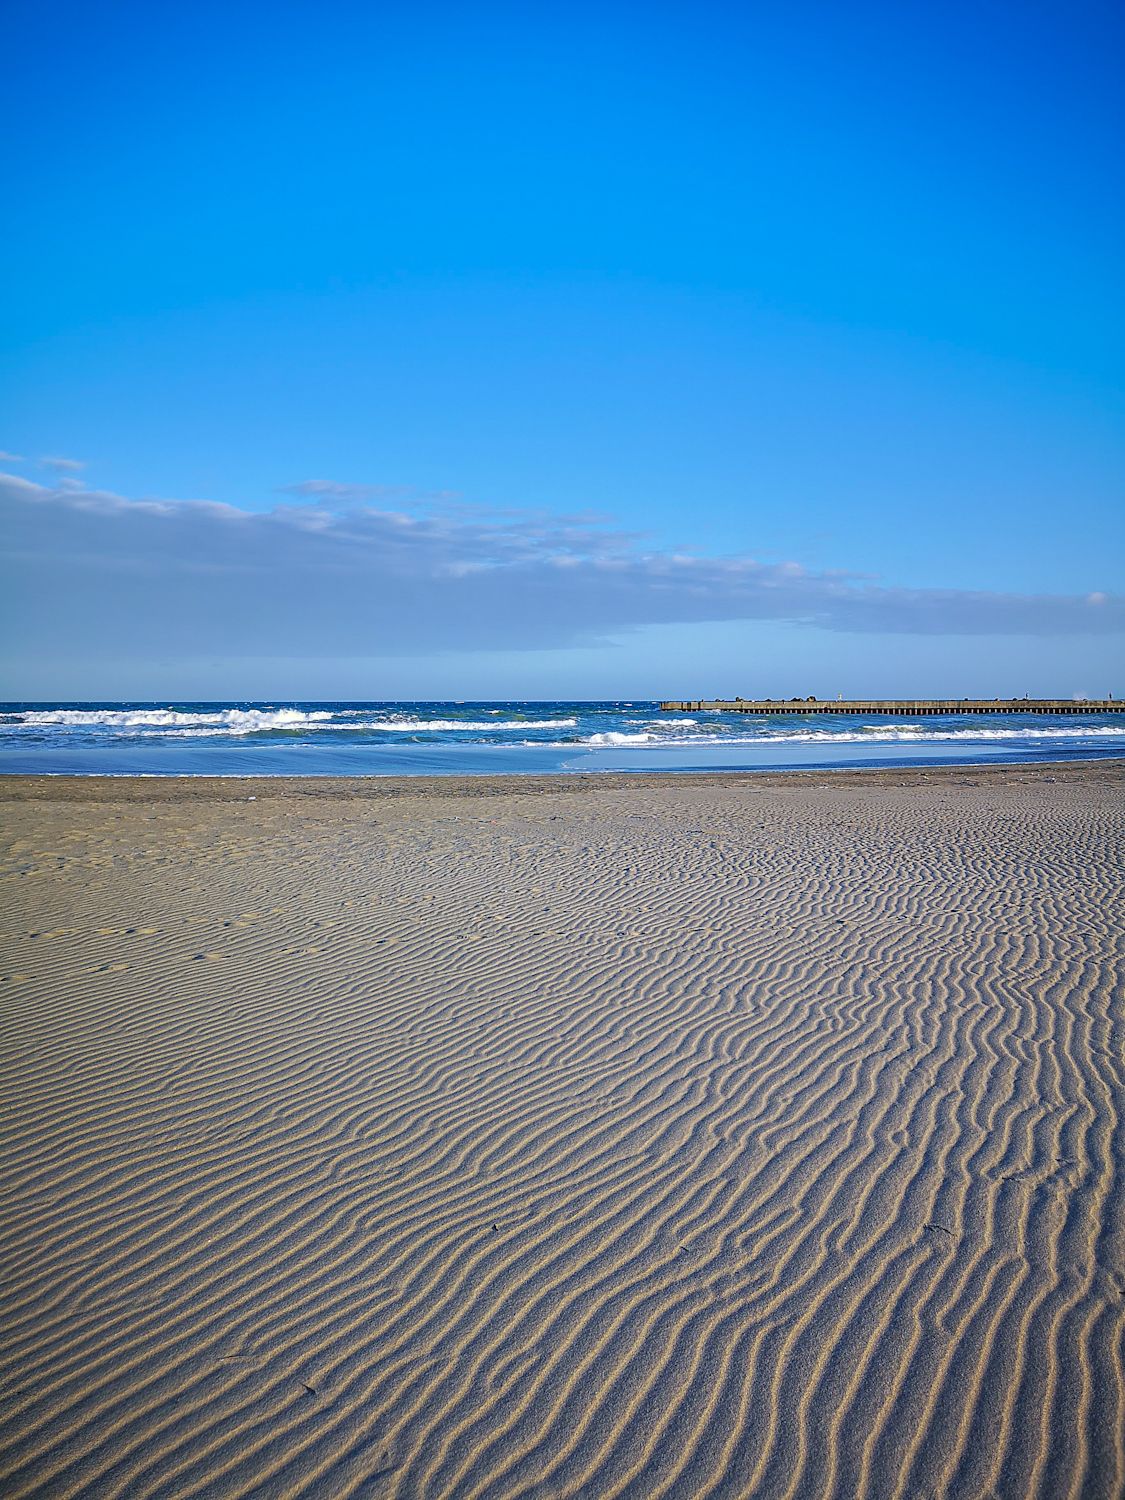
588,350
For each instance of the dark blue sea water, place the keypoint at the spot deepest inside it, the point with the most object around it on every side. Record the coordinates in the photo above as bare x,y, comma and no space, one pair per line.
406,739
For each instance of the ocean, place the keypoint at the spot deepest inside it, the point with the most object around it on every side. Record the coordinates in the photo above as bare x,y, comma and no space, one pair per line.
448,738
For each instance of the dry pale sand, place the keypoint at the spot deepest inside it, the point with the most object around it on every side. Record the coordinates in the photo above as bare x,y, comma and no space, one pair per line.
651,1137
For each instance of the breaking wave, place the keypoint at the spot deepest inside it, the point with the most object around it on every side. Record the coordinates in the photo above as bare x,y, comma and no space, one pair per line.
227,720
182,723
900,734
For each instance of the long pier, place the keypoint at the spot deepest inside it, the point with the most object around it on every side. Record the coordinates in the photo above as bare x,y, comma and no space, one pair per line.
899,707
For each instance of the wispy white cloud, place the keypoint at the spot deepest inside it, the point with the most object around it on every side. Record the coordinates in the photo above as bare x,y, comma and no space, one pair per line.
63,465
90,571
332,491
10,458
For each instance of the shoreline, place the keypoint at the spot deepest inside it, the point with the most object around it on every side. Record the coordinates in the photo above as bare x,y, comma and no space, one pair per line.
234,788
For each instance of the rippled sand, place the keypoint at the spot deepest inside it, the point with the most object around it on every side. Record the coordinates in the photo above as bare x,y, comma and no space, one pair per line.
628,1137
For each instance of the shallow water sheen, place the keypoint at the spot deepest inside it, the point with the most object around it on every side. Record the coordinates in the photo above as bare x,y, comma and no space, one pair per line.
447,738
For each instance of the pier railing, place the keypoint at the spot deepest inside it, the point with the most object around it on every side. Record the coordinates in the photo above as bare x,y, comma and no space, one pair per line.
906,707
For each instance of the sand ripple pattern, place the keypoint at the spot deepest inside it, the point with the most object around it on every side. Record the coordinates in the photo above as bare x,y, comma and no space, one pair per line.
724,1141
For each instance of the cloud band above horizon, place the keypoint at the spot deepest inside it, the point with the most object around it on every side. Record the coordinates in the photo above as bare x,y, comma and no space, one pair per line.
89,572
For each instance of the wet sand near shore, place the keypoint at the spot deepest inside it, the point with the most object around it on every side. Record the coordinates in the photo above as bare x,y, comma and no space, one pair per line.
619,1135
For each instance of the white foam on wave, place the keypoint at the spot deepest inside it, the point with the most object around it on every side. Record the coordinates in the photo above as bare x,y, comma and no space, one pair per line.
908,733
173,723
616,737
417,726
225,720
876,734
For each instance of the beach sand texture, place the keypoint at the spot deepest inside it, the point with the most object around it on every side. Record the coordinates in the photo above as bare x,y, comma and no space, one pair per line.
734,1137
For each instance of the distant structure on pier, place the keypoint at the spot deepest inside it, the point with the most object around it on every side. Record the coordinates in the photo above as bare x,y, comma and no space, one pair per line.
898,707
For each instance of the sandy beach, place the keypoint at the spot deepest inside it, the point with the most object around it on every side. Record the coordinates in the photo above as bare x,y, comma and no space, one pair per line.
644,1136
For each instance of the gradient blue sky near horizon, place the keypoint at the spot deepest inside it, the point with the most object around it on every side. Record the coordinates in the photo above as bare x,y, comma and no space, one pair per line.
498,351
